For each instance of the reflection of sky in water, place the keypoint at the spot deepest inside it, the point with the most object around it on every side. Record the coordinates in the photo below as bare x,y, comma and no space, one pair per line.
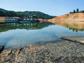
22,37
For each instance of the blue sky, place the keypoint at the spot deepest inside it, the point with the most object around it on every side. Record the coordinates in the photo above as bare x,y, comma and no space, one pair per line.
51,7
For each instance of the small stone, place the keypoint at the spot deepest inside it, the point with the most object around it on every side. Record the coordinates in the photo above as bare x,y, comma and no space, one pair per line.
46,60
9,52
49,62
19,50
37,60
32,47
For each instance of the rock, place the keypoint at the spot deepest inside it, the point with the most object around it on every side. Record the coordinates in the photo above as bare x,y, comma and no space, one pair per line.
1,48
49,62
9,52
6,52
19,50
58,52
32,47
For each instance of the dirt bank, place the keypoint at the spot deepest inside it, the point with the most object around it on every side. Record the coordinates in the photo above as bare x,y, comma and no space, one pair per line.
2,19
73,17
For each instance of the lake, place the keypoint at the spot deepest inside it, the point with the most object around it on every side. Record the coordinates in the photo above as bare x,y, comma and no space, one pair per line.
15,35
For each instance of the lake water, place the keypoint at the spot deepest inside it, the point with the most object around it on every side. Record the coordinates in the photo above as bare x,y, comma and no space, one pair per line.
17,35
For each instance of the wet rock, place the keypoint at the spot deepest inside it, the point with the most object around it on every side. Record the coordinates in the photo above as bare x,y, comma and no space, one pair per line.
17,54
19,50
6,52
1,48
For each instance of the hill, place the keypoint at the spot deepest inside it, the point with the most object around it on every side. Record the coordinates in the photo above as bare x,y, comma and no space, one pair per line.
7,13
72,17
39,14
74,21
3,10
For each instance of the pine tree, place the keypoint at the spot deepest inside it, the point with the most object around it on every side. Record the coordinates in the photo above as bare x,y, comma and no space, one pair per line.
77,10
74,11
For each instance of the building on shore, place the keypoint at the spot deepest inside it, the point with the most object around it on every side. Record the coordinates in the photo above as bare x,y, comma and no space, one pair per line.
30,19
12,19
23,19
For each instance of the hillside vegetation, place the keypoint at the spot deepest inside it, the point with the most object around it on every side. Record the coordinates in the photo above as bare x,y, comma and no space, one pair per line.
42,15
7,13
37,13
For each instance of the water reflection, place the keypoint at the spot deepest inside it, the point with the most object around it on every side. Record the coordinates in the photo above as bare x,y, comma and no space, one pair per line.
74,26
14,35
27,26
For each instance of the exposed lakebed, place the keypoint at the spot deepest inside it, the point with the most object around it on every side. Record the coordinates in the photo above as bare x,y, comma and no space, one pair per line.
16,35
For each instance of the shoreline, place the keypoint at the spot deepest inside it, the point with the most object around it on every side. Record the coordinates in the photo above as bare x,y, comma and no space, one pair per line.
62,39
62,52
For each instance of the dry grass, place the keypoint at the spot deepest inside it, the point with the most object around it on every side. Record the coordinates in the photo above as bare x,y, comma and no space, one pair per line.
2,19
76,17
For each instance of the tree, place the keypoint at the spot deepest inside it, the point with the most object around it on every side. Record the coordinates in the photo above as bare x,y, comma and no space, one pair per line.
70,12
74,11
77,10
2,13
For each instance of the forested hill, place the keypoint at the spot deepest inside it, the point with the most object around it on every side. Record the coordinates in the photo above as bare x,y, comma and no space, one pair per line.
8,13
37,13
4,12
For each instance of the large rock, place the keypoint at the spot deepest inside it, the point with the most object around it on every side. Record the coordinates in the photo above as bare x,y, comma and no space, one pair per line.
75,39
1,48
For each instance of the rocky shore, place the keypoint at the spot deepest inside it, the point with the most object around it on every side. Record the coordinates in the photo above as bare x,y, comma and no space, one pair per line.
66,51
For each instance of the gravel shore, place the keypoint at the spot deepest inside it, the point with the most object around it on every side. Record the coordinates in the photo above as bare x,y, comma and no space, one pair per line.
58,52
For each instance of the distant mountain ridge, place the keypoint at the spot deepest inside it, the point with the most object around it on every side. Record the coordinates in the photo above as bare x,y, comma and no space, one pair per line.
39,14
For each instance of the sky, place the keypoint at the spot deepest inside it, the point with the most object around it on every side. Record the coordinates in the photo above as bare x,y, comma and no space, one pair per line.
51,7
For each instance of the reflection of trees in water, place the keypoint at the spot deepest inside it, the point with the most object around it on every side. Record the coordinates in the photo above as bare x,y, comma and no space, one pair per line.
76,30
74,26
11,26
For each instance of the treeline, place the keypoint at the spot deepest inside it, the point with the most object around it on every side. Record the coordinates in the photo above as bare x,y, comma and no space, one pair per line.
10,14
37,13
77,11
42,15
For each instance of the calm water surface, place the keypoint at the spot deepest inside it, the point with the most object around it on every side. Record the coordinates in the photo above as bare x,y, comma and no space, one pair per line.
16,35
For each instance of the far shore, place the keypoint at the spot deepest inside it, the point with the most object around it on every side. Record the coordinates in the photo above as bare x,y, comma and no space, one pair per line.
70,49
